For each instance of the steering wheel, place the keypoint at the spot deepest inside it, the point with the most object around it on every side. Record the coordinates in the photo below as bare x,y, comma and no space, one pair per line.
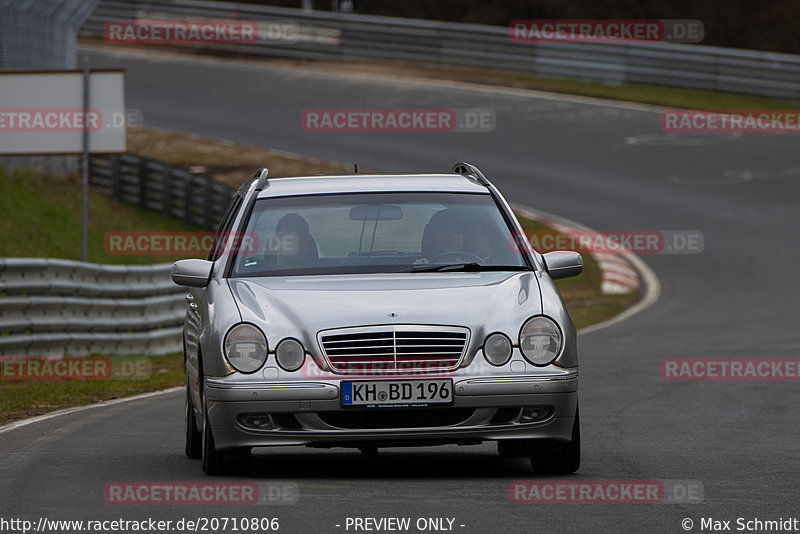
457,256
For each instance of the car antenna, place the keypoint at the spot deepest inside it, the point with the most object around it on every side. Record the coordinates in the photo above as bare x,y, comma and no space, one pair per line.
355,168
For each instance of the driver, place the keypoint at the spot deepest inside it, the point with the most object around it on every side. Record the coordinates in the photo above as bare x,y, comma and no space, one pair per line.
304,253
444,233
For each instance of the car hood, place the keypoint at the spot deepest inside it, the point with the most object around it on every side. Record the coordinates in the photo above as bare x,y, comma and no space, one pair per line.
301,306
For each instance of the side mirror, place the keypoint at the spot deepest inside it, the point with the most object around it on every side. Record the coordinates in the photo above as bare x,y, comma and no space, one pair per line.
192,273
563,264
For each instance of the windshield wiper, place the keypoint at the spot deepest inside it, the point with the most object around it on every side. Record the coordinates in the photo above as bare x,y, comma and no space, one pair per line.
464,267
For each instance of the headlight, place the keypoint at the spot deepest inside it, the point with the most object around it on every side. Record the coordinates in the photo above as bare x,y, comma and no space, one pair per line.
290,354
497,349
540,340
246,348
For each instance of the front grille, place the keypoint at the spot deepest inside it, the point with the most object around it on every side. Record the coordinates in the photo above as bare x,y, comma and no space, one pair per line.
396,418
394,348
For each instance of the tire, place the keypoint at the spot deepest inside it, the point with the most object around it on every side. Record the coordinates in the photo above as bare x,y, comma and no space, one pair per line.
214,461
514,448
194,437
555,458
238,460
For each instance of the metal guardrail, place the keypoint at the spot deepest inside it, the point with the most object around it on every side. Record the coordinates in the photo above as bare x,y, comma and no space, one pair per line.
197,199
326,35
52,307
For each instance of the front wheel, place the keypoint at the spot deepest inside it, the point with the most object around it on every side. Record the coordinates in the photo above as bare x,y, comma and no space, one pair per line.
216,462
554,458
213,460
194,438
514,448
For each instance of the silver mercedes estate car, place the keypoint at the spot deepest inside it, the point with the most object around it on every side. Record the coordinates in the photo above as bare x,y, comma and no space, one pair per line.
372,311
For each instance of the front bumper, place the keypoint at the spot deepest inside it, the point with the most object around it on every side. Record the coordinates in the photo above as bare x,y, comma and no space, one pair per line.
487,404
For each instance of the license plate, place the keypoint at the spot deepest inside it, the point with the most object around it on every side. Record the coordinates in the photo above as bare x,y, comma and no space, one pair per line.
400,393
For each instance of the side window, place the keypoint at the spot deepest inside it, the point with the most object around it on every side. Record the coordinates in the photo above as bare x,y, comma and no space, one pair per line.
224,227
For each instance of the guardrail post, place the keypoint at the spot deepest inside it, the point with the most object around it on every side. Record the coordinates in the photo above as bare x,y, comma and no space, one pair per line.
143,178
166,190
208,205
189,198
116,181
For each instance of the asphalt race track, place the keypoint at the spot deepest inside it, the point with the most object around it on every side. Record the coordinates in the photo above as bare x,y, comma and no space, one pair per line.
607,165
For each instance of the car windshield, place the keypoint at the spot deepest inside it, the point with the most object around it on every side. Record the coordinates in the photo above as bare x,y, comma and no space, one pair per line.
375,233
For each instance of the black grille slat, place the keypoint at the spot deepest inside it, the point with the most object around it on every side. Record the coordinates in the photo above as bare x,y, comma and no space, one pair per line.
354,337
433,334
364,362
361,343
426,350
362,350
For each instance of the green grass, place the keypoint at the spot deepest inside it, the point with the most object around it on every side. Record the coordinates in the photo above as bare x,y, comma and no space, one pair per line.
41,217
20,399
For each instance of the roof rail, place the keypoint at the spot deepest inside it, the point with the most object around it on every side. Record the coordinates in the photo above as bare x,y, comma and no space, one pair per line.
261,174
468,169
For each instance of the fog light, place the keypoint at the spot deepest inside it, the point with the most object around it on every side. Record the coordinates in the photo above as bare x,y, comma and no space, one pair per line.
290,354
497,349
259,421
533,414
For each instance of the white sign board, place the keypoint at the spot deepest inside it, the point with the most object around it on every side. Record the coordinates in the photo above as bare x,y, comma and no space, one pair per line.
42,112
